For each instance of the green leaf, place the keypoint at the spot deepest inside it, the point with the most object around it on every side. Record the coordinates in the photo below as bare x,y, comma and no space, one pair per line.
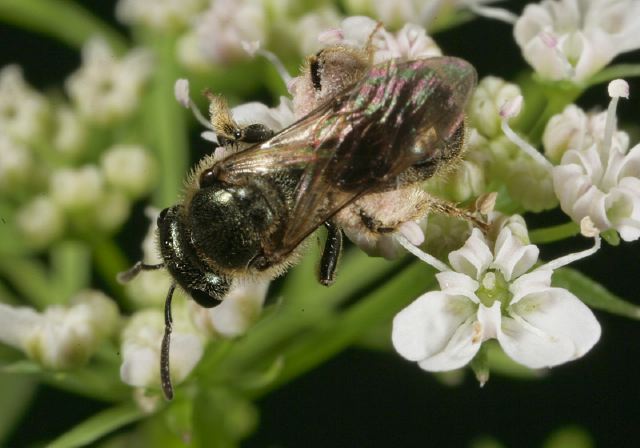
62,19
16,392
593,293
98,426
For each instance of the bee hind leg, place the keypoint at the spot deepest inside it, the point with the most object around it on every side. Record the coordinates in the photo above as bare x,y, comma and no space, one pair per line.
330,254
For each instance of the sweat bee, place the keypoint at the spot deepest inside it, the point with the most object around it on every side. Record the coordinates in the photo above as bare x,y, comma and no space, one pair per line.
368,135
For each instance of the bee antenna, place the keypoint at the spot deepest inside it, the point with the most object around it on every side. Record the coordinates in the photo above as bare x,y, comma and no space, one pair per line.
165,372
128,275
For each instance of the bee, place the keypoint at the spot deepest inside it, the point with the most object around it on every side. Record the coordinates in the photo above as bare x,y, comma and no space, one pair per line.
368,135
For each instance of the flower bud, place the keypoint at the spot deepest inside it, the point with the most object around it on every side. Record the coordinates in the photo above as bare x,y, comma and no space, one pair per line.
486,103
41,221
240,308
162,15
70,133
111,211
75,189
141,342
15,165
129,168
524,173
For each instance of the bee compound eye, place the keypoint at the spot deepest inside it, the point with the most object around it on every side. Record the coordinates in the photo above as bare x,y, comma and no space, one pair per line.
207,178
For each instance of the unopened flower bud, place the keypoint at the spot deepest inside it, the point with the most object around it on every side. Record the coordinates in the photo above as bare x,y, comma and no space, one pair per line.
486,104
41,221
240,308
111,211
15,164
70,132
141,342
75,189
129,168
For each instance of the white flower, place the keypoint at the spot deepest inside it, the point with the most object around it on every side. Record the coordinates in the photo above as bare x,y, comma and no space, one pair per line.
23,111
41,221
274,118
141,342
309,27
159,14
15,164
226,24
491,292
411,42
240,308
62,337
108,88
129,168
602,181
76,188
394,13
573,129
574,39
603,185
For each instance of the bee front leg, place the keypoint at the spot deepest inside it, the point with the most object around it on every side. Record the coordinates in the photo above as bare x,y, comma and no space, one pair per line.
331,253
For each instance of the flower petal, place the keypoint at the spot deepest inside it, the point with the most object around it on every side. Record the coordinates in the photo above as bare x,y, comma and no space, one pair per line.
548,328
530,283
474,257
511,257
427,325
460,350
457,284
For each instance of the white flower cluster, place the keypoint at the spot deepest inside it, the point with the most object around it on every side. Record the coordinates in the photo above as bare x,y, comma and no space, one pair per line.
108,88
61,337
574,39
598,175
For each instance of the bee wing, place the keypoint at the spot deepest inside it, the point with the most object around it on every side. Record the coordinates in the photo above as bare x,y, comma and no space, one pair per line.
399,115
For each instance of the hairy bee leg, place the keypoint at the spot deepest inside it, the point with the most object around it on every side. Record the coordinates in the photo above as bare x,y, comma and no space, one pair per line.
165,370
331,253
128,275
446,208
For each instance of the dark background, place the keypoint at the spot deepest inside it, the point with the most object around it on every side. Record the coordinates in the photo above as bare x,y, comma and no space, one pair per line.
363,398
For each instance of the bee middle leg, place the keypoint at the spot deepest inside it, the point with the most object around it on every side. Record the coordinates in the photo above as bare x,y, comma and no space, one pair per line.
331,253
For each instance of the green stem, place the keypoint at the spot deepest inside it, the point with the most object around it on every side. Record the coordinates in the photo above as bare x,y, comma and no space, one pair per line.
166,125
335,335
109,260
71,268
302,308
30,278
554,233
62,19
615,72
